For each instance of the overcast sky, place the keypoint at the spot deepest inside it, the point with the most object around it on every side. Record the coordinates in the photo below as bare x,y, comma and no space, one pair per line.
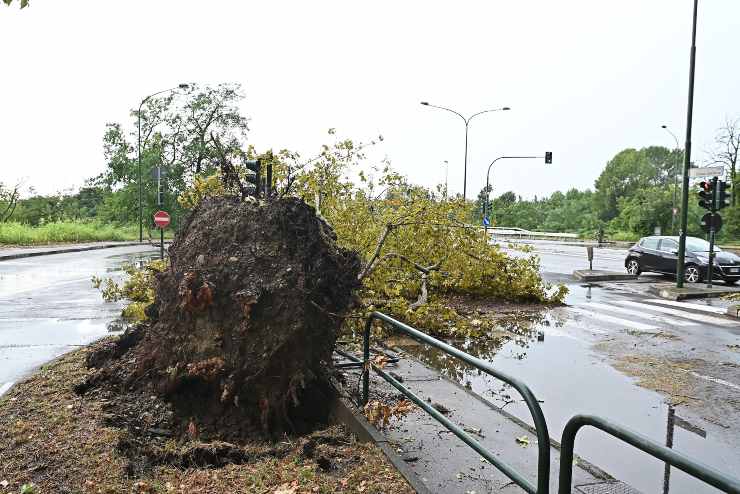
584,79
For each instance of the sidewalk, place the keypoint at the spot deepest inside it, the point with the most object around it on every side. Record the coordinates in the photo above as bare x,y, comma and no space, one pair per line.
8,253
442,463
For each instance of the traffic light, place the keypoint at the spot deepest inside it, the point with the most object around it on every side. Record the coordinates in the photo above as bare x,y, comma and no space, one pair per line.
548,157
706,195
254,166
723,196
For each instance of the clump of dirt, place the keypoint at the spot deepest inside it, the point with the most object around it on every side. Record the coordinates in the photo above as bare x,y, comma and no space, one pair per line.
240,335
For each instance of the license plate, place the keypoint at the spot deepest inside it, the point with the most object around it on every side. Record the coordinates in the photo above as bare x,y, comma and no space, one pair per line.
734,270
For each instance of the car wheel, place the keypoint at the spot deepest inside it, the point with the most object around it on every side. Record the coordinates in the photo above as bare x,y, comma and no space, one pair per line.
692,274
633,267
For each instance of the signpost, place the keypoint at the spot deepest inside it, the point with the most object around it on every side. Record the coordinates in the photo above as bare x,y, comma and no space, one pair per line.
708,171
162,220
708,221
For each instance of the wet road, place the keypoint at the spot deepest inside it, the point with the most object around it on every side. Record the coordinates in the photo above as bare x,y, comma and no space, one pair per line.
595,351
48,306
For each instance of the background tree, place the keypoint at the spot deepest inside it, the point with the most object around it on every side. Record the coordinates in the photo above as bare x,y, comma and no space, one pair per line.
177,134
8,201
629,171
24,3
727,147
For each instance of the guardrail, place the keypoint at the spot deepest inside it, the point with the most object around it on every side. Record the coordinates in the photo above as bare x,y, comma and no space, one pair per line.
522,233
694,468
543,438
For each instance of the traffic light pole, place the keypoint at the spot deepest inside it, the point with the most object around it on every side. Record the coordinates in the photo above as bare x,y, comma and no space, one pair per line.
712,230
548,155
687,159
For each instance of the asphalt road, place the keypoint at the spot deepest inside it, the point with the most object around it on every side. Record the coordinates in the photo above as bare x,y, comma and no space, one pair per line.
612,336
49,306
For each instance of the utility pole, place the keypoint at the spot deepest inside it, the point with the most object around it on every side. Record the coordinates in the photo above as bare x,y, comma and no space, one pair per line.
159,205
687,158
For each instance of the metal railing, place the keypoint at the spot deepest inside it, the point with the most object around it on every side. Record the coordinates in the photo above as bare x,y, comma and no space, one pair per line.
697,470
543,438
694,468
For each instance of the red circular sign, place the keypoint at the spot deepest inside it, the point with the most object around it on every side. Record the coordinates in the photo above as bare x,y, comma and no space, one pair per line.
161,219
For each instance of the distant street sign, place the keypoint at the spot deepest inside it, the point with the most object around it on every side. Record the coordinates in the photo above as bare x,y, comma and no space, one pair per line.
161,219
706,222
675,211
158,172
707,171
486,222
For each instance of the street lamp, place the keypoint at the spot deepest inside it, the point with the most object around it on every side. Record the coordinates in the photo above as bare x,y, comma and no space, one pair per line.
467,123
447,168
485,206
138,150
675,179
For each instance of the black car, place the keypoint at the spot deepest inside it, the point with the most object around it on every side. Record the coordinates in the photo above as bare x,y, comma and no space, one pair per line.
659,255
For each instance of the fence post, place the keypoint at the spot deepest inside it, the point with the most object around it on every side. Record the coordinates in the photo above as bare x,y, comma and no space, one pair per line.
366,361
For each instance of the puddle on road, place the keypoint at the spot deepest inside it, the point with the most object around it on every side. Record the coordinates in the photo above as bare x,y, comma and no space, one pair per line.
554,356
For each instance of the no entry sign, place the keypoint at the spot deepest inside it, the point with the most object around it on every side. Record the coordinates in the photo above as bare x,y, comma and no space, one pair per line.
161,219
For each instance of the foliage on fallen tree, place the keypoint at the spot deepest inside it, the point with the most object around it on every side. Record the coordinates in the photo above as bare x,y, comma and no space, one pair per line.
415,244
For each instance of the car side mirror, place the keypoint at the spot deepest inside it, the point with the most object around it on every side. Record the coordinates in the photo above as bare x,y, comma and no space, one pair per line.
673,251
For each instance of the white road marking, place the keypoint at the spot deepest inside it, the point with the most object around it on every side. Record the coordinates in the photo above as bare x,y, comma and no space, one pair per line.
686,305
613,320
643,315
715,380
681,313
5,387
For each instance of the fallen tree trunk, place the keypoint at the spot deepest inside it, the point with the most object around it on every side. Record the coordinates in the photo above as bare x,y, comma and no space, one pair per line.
244,321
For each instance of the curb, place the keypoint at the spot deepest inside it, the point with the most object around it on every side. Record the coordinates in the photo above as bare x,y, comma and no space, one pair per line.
346,414
734,311
588,275
677,294
64,250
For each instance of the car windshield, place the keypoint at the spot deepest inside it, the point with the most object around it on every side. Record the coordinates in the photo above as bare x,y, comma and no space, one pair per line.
698,245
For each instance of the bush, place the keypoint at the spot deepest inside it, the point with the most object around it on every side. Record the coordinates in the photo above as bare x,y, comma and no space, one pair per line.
64,231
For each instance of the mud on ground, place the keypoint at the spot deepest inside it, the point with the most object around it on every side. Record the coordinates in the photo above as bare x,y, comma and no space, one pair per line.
62,442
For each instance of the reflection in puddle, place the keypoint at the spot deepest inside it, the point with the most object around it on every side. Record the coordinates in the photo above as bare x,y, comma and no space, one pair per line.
553,355
522,330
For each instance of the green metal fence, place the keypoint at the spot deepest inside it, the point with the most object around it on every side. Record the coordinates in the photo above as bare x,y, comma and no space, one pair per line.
692,467
543,437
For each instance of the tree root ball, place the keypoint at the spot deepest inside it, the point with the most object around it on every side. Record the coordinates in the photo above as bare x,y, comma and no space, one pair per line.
244,323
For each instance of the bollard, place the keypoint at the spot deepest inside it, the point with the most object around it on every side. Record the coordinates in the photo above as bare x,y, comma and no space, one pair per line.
590,251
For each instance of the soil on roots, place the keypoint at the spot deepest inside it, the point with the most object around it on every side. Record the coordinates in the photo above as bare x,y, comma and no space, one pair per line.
239,340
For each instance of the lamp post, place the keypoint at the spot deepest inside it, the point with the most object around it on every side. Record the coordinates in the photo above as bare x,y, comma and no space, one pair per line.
467,124
675,179
485,206
687,157
447,168
138,151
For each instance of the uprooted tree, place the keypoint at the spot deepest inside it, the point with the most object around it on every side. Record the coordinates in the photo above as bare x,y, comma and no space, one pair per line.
244,319
416,245
243,323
